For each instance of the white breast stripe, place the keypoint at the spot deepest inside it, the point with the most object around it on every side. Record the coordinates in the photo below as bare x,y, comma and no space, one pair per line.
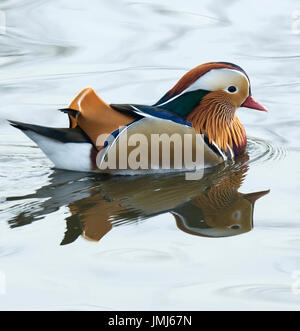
231,152
220,151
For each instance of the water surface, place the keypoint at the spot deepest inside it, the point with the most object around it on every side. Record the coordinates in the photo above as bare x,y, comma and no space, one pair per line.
80,241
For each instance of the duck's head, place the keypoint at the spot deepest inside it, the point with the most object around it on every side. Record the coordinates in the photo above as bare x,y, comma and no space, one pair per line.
208,96
220,210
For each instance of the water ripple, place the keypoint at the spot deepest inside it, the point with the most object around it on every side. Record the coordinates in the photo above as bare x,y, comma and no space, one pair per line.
262,292
133,51
17,47
136,255
261,151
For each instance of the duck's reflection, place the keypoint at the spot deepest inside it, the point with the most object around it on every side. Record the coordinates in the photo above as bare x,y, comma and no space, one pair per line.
210,207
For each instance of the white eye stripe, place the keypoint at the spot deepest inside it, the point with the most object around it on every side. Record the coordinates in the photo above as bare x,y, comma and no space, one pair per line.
213,80
216,79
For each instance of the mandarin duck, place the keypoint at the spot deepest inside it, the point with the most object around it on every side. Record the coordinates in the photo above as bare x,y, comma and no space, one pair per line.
204,101
210,207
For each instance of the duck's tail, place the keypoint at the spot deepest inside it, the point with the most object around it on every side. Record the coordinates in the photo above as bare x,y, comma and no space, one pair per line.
76,148
94,116
74,108
69,149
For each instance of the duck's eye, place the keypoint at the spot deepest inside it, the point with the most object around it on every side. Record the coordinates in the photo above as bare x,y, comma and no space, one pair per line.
234,227
232,89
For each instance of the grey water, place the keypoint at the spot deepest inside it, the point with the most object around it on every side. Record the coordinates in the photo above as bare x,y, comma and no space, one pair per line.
76,241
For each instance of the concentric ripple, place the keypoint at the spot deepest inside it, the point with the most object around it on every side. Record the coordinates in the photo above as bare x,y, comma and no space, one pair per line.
261,151
262,292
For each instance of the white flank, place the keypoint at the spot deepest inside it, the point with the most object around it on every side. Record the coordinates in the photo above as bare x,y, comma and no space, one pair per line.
69,156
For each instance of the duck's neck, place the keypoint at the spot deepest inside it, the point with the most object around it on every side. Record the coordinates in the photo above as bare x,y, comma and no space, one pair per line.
222,194
183,104
220,124
209,115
